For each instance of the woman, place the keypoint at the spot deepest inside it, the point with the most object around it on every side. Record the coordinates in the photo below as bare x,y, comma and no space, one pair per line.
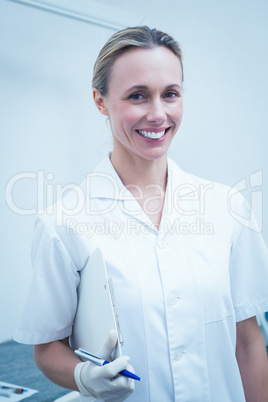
189,278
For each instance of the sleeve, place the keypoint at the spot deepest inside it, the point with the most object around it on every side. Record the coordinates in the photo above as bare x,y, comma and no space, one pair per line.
52,295
248,264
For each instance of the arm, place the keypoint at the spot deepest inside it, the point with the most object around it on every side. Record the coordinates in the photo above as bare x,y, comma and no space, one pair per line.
252,360
57,361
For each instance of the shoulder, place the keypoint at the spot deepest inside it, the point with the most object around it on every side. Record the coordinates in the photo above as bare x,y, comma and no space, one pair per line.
215,201
181,176
189,183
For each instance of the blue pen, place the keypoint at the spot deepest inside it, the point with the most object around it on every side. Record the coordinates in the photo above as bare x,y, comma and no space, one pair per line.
100,362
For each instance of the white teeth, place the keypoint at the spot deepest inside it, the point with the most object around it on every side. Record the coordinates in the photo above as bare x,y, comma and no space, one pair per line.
152,135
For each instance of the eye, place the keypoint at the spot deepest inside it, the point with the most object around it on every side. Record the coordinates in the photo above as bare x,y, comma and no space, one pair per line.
171,94
136,96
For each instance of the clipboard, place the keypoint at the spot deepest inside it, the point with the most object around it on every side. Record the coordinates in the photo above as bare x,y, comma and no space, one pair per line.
97,311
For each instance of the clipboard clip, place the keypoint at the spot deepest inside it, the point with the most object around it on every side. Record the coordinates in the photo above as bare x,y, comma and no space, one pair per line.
117,321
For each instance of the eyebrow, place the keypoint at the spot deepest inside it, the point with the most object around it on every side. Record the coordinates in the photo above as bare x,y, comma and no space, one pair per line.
144,87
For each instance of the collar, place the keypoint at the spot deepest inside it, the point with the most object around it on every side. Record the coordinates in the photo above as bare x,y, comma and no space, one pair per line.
180,184
104,182
181,192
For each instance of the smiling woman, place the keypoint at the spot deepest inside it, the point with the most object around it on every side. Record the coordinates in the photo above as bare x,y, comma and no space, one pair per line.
145,112
188,319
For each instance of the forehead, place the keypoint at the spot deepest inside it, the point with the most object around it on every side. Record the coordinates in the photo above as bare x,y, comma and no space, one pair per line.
145,67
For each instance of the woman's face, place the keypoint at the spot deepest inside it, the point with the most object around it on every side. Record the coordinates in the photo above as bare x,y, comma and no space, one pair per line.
144,102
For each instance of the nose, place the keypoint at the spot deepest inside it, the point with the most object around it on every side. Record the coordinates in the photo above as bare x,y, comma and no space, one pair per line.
156,112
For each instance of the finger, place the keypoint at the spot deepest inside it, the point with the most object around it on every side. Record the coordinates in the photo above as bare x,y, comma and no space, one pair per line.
123,384
112,369
119,389
108,345
130,368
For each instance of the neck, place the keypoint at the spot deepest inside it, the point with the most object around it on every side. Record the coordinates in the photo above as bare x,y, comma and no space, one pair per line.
137,171
145,179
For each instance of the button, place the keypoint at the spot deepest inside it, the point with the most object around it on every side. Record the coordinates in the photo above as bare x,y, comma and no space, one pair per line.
178,354
173,298
162,243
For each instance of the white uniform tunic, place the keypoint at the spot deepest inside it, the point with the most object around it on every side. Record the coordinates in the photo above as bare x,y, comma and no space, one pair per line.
179,290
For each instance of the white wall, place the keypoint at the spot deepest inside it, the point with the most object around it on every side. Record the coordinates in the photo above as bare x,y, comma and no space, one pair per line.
48,122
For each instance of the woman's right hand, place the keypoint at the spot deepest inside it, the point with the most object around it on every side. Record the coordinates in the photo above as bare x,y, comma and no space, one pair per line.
103,382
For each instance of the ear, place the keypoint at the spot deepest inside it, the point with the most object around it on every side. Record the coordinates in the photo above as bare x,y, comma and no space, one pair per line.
100,101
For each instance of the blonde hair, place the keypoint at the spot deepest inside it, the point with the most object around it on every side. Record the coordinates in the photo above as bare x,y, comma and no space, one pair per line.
124,40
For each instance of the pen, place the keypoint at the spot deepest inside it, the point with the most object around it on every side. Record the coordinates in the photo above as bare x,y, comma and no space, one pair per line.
100,362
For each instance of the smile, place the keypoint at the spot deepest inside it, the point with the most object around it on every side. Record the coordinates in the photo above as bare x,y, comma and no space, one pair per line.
151,134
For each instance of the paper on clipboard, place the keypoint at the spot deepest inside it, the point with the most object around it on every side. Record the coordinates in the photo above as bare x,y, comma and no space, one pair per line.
96,309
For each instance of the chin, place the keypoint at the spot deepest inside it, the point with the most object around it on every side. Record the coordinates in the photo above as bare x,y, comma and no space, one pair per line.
152,156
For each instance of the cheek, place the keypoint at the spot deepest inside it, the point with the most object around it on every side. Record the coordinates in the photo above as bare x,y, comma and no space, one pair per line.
178,112
130,116
123,118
